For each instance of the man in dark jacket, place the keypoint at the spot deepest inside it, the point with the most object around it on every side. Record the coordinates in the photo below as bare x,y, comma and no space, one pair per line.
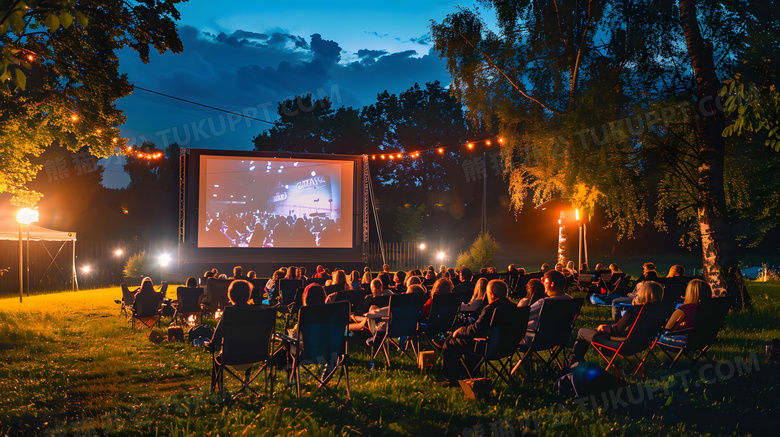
462,340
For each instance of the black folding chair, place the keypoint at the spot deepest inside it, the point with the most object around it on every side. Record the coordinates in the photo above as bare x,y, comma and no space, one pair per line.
507,329
401,321
556,322
188,303
289,300
217,294
354,297
674,287
321,338
444,310
246,335
127,301
708,321
146,309
648,324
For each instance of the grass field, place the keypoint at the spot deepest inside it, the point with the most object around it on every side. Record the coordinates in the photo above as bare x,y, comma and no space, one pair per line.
71,365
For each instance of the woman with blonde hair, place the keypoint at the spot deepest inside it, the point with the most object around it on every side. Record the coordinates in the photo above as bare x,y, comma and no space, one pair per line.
478,298
676,270
354,280
339,279
613,334
367,277
682,317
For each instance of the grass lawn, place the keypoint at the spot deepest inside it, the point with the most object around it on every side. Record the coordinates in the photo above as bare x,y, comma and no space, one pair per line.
71,365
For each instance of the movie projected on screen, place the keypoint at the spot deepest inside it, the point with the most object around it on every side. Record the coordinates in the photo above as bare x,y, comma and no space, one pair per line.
275,202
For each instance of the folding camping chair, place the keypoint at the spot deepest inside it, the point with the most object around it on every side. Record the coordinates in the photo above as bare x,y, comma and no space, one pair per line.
648,324
217,294
444,310
188,303
401,321
146,308
507,329
708,321
126,302
556,322
245,339
321,339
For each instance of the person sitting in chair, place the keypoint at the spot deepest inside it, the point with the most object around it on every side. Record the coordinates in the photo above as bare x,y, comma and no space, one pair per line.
611,334
534,290
238,294
462,340
682,317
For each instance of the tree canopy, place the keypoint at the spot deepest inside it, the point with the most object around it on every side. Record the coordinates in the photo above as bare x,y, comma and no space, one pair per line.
418,119
61,79
599,104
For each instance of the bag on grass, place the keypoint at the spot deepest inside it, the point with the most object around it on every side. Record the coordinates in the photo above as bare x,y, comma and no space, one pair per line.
198,332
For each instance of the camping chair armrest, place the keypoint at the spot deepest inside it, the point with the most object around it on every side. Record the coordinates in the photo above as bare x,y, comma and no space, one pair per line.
284,337
677,332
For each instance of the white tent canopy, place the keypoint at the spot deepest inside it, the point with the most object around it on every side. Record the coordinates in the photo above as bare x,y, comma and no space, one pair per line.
9,231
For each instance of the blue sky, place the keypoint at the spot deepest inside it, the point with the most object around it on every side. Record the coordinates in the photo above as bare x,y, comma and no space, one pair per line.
247,57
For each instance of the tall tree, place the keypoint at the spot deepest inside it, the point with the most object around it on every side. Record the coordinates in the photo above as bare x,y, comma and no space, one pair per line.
60,57
588,94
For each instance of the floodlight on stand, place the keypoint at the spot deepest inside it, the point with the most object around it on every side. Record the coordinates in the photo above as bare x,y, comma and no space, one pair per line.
165,259
26,216
440,256
119,252
422,246
86,269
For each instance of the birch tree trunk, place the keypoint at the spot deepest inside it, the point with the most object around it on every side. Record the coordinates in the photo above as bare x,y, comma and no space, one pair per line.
719,259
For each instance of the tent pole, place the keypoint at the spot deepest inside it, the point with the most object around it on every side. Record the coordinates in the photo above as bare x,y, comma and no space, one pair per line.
21,265
27,270
75,283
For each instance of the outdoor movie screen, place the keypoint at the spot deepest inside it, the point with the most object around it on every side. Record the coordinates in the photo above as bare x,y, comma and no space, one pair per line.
275,202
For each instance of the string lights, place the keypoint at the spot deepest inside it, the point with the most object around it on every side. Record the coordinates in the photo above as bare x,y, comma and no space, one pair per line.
140,154
440,150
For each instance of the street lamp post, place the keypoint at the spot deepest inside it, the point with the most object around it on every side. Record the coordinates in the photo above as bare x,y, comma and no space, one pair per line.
25,216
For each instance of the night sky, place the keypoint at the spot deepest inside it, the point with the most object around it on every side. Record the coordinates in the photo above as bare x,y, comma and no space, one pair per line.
252,55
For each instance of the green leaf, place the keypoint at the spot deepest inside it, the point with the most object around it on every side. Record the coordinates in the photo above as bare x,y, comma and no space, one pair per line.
52,22
66,19
19,78
17,23
81,18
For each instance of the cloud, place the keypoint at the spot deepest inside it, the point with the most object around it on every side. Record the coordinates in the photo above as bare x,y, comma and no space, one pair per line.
423,40
368,57
250,72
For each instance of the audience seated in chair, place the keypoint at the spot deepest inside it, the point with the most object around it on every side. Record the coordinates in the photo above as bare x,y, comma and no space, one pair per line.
442,285
462,341
682,317
465,285
238,294
534,290
612,334
554,288
147,304
478,299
